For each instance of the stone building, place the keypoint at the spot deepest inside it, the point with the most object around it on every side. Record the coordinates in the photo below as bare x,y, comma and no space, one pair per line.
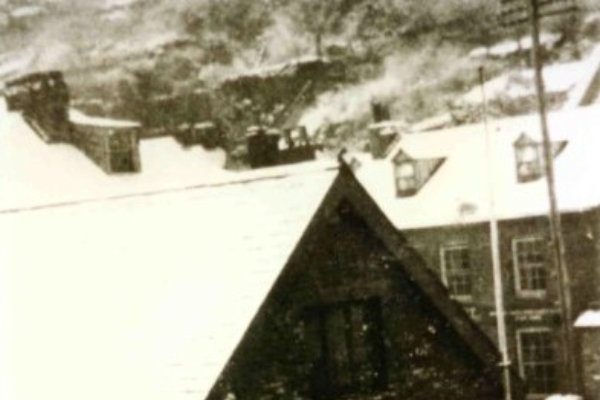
110,144
437,189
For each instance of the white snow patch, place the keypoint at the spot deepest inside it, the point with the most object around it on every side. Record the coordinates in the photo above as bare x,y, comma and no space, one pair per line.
78,117
558,78
508,47
27,11
564,397
589,319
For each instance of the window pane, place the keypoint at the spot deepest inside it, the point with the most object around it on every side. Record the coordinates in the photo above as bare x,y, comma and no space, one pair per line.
457,264
530,264
406,170
406,177
537,359
353,348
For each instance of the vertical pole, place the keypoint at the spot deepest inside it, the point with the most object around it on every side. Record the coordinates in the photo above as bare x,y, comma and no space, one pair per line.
557,241
495,253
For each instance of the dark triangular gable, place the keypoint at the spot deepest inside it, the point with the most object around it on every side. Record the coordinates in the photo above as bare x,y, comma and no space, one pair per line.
346,189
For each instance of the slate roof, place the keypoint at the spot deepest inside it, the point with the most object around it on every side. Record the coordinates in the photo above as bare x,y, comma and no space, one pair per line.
145,296
458,193
135,286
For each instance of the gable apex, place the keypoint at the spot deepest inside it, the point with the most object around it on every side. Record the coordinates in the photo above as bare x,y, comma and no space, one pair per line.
346,187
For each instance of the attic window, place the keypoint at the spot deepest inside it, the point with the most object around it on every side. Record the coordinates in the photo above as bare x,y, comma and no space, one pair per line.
529,156
406,178
411,174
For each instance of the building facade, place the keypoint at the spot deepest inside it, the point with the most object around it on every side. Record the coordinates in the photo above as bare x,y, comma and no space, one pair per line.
461,256
441,189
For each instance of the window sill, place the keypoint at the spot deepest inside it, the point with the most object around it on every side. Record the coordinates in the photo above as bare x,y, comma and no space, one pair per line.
536,295
462,299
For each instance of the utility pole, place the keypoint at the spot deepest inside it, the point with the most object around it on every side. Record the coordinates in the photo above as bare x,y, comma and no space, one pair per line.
556,237
495,253
518,12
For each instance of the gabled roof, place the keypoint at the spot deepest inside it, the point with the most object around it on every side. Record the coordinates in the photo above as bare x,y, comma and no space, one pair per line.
458,192
147,296
347,188
36,174
144,296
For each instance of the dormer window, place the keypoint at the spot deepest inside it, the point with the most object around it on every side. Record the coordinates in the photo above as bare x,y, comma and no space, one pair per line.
406,177
529,159
411,174
529,156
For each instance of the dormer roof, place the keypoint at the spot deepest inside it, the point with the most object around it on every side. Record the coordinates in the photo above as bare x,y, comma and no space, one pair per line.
530,159
461,182
422,169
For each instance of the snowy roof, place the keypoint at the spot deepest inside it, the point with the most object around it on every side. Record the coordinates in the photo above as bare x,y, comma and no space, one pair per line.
145,284
35,174
558,78
79,118
14,64
509,47
115,288
589,319
144,296
27,11
277,69
458,192
587,87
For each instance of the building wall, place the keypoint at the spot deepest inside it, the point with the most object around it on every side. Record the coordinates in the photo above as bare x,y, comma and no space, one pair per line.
590,339
347,312
113,152
524,313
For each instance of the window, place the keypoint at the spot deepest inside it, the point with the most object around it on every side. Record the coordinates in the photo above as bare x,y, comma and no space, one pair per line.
530,266
351,348
456,271
537,360
529,164
406,178
411,174
529,155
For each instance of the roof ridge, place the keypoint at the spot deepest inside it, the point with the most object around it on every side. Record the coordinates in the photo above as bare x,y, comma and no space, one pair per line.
158,192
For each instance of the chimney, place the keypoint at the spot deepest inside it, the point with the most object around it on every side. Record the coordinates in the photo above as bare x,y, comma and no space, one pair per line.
43,99
381,138
262,147
297,147
380,111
